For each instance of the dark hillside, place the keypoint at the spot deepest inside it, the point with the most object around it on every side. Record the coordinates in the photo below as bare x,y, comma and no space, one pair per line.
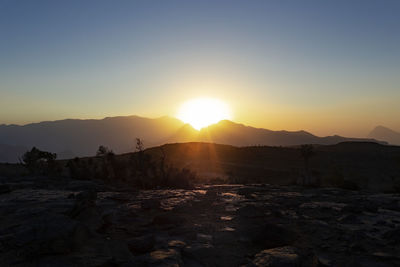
351,165
369,165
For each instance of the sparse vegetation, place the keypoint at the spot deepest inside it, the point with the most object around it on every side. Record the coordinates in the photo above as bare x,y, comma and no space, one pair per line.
139,169
182,165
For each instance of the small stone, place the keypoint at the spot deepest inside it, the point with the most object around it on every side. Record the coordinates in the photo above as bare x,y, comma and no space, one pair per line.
167,257
176,243
277,257
226,218
204,238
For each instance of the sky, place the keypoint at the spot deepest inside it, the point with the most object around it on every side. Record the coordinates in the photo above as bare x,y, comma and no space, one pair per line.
328,67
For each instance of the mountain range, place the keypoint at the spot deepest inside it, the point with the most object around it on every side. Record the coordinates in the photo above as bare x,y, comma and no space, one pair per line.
383,133
73,137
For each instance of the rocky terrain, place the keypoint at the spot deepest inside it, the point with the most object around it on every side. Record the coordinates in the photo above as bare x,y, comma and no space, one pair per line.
65,222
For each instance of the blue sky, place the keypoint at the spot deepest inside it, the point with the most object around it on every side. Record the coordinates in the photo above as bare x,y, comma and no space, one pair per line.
324,66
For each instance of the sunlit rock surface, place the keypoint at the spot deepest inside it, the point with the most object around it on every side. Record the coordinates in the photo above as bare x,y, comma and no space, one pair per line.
62,222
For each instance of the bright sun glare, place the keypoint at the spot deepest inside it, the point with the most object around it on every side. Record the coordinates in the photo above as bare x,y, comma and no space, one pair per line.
201,112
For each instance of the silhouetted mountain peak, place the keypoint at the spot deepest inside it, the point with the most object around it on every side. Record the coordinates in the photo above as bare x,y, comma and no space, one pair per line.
382,128
228,122
383,133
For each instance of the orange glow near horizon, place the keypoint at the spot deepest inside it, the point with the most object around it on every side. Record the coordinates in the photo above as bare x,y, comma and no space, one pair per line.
201,112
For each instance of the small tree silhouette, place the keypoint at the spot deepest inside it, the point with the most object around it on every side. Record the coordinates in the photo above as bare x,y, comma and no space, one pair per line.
107,163
139,145
307,151
140,152
163,166
143,165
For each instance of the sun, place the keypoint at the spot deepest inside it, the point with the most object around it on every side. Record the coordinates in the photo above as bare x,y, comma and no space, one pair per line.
201,112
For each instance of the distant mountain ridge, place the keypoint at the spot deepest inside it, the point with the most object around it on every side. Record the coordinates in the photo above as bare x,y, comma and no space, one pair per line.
228,132
386,134
73,137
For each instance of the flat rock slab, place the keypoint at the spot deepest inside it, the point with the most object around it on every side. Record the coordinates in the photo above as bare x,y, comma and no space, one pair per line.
72,223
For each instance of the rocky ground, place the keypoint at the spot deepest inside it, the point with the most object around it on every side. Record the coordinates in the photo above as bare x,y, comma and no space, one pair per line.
48,222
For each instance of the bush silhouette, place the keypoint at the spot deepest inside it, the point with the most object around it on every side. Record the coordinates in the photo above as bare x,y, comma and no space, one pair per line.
103,151
37,161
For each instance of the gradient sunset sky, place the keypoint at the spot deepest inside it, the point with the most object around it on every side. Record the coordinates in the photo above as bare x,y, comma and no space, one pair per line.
328,67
